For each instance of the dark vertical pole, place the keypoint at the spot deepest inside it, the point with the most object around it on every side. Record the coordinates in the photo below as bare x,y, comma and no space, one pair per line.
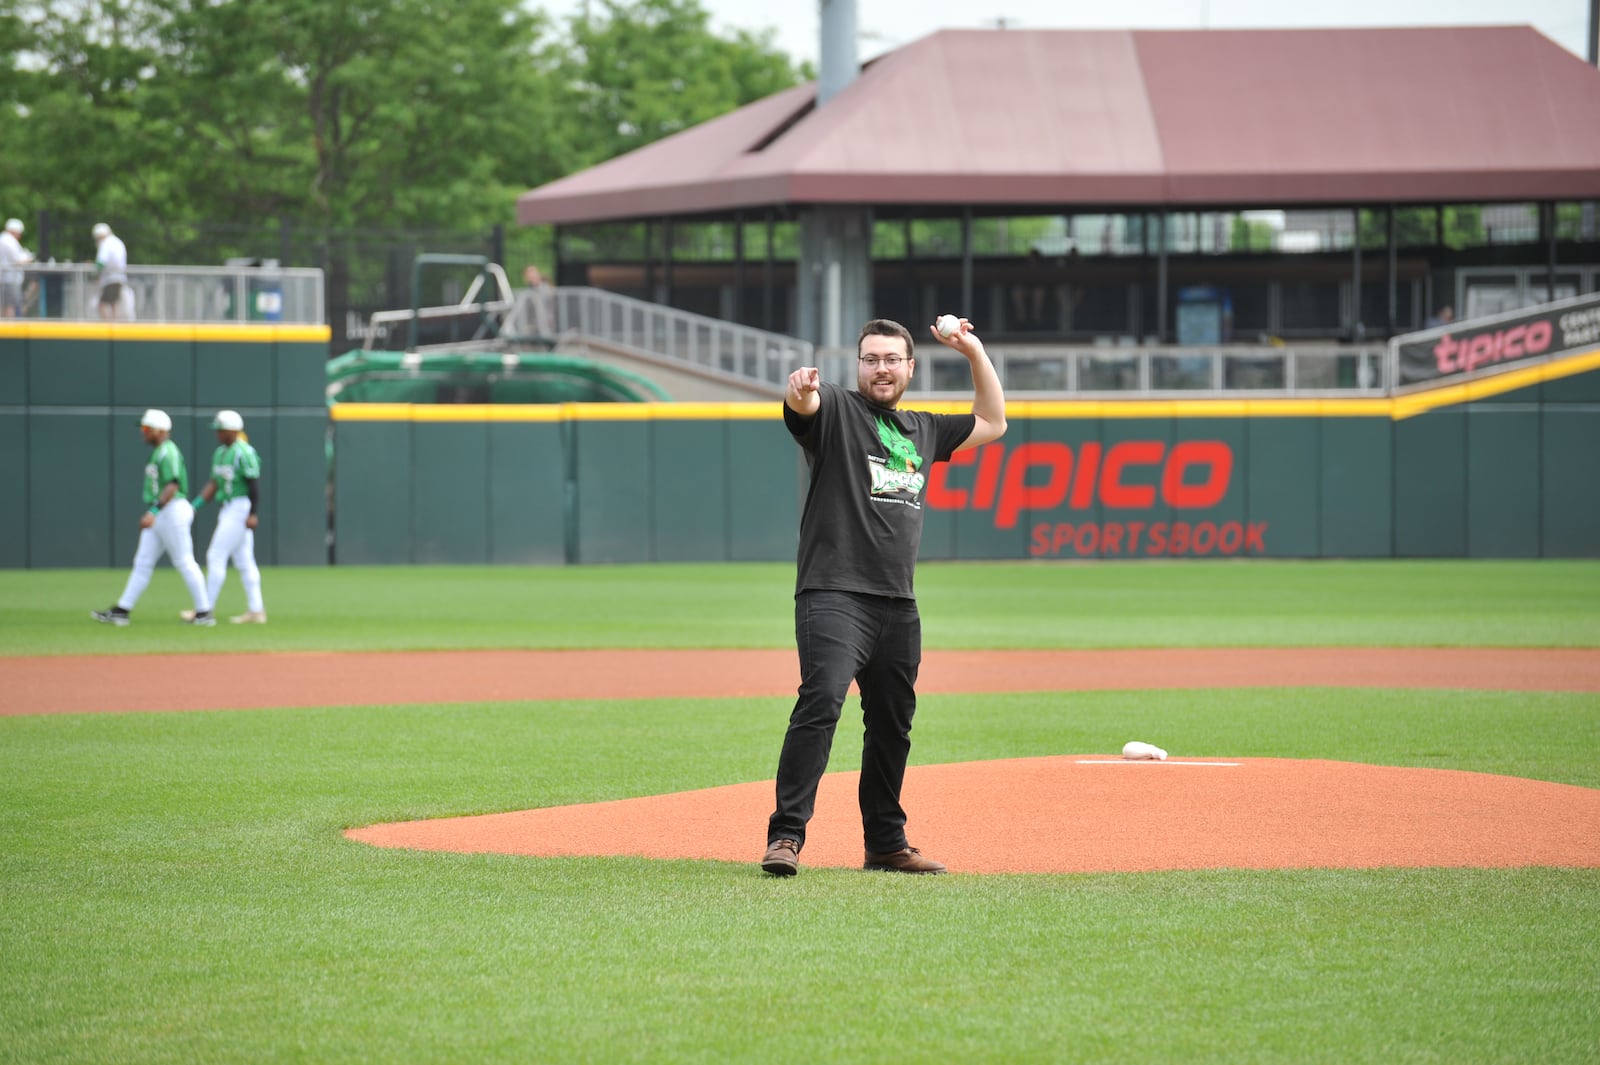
1162,336
768,279
1594,33
649,263
497,243
1547,212
911,276
1356,328
666,258
966,263
1393,272
738,267
555,255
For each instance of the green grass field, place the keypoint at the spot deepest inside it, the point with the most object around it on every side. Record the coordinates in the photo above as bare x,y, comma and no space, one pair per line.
175,887
964,605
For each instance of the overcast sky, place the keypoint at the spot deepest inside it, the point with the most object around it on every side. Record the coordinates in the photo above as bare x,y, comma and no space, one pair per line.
888,24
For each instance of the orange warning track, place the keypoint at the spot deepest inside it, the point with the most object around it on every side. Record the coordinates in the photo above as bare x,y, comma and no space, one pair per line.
51,685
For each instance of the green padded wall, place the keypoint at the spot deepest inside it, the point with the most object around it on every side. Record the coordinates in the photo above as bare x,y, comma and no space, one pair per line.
152,373
689,491
1357,474
1430,485
613,491
527,497
69,373
229,375
372,493
1282,489
766,483
296,506
14,486
1502,482
70,491
13,372
1570,488
449,484
299,374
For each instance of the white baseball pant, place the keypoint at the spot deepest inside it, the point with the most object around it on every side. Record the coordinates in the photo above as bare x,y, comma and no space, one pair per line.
236,542
168,536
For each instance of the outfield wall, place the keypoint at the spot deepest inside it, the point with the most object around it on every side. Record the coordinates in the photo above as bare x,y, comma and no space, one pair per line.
72,393
1500,468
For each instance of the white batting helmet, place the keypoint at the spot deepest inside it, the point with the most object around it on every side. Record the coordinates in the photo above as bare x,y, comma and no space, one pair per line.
157,419
227,419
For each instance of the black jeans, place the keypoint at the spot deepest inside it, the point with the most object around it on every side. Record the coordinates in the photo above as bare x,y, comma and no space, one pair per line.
877,642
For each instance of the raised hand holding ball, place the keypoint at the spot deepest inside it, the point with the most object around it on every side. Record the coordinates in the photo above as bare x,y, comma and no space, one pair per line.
947,325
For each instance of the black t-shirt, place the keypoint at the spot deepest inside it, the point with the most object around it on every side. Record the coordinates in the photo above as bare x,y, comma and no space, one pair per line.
862,521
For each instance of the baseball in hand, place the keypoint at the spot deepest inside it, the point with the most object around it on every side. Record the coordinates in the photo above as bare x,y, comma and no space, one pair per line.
947,325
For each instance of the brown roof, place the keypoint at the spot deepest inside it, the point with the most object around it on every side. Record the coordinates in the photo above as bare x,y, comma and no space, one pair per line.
1067,118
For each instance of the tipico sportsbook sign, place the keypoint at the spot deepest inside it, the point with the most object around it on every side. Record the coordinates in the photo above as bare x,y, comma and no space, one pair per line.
1569,325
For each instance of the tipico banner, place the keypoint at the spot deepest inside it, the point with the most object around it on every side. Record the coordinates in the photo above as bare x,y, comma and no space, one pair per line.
1550,329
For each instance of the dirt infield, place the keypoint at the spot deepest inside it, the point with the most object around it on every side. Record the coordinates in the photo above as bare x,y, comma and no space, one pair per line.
1069,813
110,683
1088,813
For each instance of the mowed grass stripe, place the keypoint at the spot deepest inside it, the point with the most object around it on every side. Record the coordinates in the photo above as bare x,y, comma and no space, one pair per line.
176,889
964,605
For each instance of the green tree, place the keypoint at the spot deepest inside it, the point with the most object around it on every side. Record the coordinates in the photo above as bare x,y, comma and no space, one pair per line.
1418,227
398,112
637,72
393,114
71,120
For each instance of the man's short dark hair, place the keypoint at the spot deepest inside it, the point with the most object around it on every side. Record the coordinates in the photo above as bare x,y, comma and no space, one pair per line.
883,327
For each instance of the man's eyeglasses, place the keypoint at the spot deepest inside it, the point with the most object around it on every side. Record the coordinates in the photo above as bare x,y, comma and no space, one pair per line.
893,362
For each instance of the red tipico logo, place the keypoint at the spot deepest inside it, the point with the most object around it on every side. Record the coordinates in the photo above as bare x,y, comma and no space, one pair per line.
1455,356
1130,475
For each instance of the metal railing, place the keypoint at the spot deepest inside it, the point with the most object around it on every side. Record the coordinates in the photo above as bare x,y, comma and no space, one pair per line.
1153,372
473,321
570,316
654,330
176,294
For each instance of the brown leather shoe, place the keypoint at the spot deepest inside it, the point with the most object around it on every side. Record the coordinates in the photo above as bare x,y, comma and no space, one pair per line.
908,860
782,857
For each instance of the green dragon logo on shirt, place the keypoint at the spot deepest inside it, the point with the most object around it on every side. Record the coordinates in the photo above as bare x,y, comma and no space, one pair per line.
902,452
899,471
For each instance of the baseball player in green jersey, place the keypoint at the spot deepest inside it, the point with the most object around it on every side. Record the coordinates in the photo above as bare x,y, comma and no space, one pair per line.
235,475
164,528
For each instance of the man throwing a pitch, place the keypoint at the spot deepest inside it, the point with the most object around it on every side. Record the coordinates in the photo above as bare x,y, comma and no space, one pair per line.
855,611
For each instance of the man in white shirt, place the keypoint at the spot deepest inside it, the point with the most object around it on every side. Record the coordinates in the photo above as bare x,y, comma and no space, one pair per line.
111,256
12,255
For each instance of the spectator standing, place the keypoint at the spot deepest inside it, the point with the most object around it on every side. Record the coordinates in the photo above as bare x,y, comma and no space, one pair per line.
111,260
12,255
539,298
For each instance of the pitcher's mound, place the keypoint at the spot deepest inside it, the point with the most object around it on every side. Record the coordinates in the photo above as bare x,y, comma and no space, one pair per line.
1087,813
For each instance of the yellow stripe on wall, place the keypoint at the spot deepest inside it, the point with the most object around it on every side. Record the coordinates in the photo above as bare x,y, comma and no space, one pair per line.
1396,408
263,333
